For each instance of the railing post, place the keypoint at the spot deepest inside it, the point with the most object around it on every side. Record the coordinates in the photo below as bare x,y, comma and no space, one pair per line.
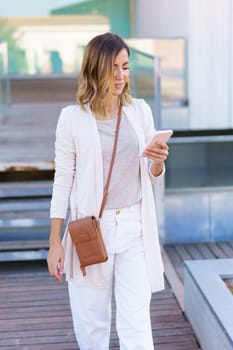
1,99
157,92
8,90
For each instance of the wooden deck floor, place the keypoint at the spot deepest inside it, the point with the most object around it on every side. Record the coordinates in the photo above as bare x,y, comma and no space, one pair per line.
35,313
178,253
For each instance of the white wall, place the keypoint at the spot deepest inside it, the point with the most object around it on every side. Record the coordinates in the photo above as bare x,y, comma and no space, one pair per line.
231,68
209,65
160,18
208,29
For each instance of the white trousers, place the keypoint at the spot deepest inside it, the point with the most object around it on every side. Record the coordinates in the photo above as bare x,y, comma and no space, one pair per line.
127,275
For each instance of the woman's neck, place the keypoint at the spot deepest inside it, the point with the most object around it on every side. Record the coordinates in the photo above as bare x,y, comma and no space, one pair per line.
111,110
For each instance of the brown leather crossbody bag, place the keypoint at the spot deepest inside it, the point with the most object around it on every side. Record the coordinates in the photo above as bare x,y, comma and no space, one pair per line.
85,233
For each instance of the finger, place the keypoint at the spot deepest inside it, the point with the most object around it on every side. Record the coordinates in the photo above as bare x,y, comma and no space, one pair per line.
156,155
57,275
162,144
53,271
159,148
62,265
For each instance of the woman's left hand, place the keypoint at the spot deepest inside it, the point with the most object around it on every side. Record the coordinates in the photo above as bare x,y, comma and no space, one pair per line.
158,153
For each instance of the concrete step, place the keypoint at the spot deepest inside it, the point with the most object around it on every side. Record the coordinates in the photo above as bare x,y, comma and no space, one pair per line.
24,220
28,189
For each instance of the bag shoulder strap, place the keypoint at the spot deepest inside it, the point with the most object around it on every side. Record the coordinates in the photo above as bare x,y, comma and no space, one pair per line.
111,163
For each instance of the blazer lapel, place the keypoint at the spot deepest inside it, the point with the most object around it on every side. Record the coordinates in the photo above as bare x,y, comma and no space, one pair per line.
97,152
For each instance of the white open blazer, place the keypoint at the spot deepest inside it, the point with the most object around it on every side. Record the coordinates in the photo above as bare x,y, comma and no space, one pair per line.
79,182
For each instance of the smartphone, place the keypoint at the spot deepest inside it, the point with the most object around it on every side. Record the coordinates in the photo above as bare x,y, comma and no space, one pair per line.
159,136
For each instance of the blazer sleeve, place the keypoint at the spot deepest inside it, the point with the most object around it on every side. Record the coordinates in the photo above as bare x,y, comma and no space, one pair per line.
64,166
149,132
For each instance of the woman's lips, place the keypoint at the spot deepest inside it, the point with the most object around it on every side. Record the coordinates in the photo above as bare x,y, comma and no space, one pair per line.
119,86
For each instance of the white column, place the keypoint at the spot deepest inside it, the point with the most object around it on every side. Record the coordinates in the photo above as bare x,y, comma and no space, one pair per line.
231,64
160,18
209,63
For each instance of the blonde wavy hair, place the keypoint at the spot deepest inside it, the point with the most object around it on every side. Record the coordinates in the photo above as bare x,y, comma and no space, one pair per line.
96,78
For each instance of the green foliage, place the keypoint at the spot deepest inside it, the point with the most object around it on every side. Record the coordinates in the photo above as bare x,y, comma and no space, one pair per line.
16,56
7,33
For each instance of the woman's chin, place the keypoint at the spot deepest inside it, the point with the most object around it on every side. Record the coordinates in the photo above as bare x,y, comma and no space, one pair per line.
117,92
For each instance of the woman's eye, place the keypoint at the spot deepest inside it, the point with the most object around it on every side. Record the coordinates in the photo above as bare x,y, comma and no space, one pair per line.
123,68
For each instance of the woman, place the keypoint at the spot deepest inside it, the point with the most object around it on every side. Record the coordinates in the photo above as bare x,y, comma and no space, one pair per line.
84,140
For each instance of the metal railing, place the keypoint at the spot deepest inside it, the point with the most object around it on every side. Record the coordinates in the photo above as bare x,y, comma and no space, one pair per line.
5,94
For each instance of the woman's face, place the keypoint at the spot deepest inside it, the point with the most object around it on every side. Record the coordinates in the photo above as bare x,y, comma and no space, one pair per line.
121,71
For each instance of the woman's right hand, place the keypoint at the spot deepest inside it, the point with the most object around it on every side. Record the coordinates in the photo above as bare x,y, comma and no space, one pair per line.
55,261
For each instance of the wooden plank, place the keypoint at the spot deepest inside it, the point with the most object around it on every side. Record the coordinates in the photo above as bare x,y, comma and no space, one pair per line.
177,346
193,251
57,346
171,251
205,251
228,250
173,332
182,251
230,243
216,250
175,338
36,333
175,260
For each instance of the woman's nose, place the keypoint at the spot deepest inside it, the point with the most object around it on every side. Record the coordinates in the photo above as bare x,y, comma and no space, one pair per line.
119,73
